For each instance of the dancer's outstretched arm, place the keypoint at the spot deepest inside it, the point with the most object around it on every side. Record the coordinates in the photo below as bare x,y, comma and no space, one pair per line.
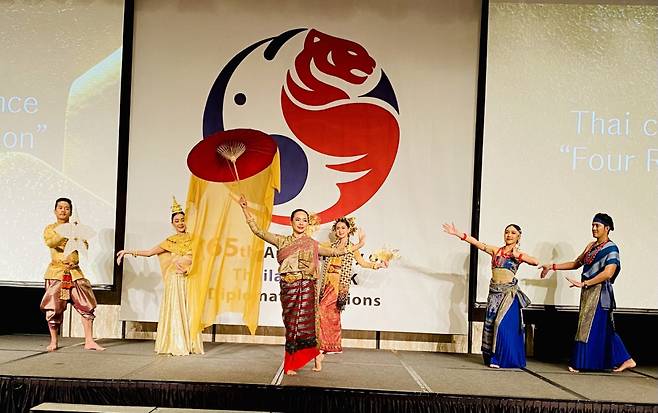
523,257
452,230
568,265
367,264
607,273
274,239
334,252
139,253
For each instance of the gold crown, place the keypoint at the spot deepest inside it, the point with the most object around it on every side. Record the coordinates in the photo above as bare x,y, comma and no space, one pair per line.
175,207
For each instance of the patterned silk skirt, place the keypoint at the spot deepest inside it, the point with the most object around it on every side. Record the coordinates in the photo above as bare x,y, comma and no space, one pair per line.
329,317
298,302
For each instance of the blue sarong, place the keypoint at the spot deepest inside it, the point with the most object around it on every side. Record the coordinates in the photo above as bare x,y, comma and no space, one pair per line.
597,346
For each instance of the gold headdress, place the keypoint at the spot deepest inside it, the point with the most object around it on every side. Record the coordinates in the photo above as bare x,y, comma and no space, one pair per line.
175,207
351,224
314,222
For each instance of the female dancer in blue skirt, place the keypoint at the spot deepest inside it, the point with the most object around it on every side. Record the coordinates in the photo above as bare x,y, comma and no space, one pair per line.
503,340
597,346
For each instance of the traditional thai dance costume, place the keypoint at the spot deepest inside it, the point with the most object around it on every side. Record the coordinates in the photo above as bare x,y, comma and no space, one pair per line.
597,346
298,266
503,338
174,335
334,290
64,282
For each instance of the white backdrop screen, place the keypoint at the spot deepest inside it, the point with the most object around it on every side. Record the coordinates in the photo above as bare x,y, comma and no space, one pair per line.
426,51
60,66
571,130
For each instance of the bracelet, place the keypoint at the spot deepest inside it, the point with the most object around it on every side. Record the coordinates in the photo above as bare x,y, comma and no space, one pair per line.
463,238
553,267
585,286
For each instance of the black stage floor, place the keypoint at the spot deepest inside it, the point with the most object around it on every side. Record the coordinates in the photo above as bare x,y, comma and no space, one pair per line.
249,377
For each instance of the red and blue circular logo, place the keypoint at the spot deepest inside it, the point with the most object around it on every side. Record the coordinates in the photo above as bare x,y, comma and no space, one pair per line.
330,110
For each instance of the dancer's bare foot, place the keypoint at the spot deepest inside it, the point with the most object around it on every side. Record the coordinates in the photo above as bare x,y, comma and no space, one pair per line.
494,366
572,370
628,364
318,362
291,373
53,329
92,345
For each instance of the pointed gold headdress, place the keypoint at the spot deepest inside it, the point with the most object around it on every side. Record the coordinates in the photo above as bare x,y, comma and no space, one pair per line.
175,207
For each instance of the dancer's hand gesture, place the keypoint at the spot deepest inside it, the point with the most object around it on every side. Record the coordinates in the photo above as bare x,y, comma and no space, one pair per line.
574,283
242,201
120,255
451,229
361,234
183,265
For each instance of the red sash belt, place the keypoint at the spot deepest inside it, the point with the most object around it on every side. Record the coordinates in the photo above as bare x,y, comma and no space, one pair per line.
67,284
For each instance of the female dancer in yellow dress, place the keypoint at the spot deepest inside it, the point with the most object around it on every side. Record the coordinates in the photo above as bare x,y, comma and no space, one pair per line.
335,284
175,256
297,255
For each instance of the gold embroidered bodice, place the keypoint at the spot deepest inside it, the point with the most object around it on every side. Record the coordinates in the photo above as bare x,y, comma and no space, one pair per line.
179,244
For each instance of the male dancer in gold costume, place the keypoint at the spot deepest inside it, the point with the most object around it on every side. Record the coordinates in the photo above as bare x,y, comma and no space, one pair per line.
65,282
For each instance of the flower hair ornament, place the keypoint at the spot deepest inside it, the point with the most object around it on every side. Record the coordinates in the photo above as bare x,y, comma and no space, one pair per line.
349,221
314,222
